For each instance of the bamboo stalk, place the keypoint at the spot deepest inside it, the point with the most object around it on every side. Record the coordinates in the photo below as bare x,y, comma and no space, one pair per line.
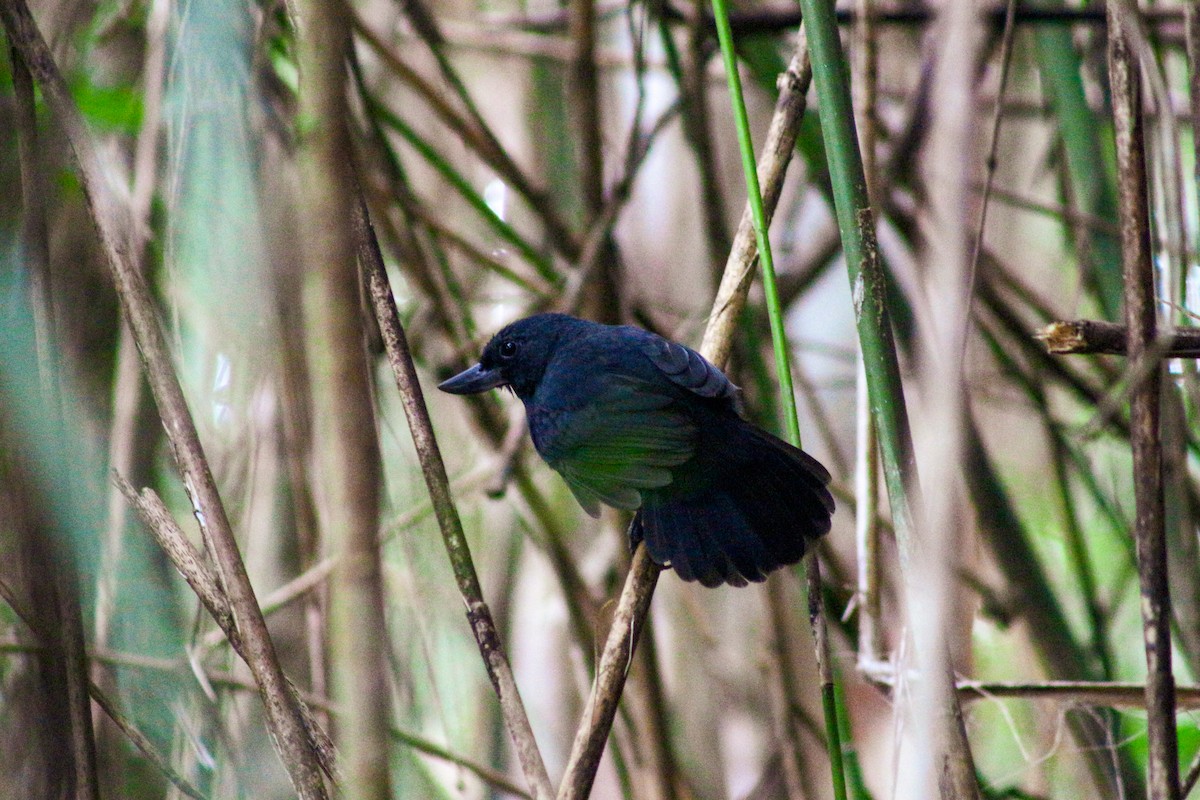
344,437
866,440
855,220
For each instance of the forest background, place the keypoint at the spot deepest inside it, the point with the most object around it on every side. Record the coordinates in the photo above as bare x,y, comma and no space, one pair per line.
236,239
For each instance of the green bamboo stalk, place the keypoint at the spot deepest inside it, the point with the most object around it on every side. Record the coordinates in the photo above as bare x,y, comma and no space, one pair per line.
784,372
867,283
868,286
746,147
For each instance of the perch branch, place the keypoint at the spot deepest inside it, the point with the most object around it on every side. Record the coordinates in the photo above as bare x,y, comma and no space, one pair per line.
643,572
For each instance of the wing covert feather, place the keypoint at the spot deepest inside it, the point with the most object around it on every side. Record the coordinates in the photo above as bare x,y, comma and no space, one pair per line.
624,440
688,369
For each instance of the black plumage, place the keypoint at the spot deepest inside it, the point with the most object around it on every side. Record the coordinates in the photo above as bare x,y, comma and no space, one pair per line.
634,421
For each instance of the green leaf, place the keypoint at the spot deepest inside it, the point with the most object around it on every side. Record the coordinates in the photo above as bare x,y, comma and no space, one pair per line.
111,109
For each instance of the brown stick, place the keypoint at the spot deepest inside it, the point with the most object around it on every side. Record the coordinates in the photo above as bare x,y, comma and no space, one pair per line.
1141,321
1096,337
483,626
191,565
345,441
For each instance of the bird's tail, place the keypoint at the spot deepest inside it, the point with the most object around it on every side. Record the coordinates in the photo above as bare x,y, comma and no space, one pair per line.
756,509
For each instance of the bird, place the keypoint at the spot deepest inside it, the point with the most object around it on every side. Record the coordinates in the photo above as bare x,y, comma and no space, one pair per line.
632,420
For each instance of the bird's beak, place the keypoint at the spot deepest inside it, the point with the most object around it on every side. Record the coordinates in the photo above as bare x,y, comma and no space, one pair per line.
472,381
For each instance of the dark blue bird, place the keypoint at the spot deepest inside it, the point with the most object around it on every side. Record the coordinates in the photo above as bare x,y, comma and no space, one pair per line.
634,421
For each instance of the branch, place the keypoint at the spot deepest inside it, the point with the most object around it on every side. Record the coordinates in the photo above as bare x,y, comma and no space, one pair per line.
483,626
643,572
1096,337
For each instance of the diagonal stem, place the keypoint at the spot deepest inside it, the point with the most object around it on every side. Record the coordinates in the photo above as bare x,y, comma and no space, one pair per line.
483,627
634,603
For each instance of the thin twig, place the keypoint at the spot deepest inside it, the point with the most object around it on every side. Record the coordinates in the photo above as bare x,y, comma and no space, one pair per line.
1099,693
1091,337
142,743
990,165
434,469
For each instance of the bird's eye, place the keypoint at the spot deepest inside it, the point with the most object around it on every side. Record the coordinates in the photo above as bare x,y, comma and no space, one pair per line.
508,349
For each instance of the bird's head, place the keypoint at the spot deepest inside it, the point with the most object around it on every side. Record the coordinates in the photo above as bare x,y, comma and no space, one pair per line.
516,357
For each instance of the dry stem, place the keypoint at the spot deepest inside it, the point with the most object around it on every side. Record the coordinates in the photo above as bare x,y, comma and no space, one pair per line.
1141,321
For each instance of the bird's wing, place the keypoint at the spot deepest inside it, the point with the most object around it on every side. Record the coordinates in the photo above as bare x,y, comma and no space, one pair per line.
688,369
622,441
